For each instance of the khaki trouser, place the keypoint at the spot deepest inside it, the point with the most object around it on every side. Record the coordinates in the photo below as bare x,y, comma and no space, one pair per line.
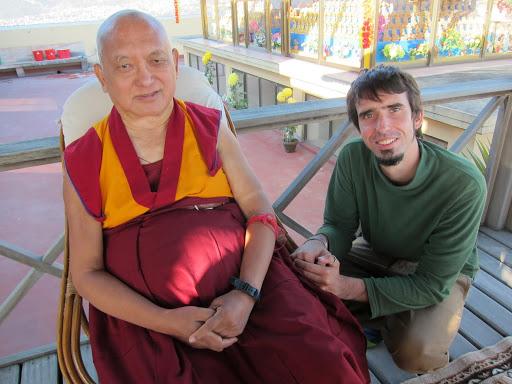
418,340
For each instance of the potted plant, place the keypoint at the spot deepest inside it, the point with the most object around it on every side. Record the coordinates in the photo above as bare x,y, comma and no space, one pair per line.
209,66
290,139
235,97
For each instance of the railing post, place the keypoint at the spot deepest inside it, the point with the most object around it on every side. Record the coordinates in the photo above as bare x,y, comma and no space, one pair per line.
482,117
306,175
500,196
30,279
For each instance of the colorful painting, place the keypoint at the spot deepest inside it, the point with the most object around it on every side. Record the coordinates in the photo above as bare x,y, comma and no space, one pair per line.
403,30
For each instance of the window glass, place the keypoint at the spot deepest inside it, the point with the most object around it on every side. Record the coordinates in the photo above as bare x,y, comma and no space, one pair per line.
347,23
460,28
500,28
225,21
403,30
276,20
257,35
304,27
241,22
211,19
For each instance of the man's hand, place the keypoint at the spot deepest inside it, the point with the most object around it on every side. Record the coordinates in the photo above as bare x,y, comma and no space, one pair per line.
189,319
232,312
310,251
323,272
326,275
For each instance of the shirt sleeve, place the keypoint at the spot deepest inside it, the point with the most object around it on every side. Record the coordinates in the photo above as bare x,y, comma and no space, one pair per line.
341,216
445,253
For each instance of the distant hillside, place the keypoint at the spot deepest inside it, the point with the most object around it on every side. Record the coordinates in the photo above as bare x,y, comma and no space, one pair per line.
30,12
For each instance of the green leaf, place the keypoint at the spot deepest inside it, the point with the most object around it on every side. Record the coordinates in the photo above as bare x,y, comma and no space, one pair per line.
481,159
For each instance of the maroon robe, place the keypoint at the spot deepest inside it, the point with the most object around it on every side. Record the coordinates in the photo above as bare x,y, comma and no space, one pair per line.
177,256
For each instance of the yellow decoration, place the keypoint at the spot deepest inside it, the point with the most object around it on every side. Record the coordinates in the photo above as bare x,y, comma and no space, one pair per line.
232,79
366,58
281,98
207,57
287,92
291,100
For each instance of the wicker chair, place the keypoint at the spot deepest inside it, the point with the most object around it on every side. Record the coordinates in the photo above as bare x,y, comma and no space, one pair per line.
191,86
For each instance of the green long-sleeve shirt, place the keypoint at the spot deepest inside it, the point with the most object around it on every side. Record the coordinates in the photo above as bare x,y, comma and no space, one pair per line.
433,220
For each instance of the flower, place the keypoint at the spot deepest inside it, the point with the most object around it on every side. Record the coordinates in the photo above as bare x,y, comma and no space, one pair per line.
253,26
207,57
281,98
276,40
393,51
235,96
285,96
260,38
209,67
232,79
287,92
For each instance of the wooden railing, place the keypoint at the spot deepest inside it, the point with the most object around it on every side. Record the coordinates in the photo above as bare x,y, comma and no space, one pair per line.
498,173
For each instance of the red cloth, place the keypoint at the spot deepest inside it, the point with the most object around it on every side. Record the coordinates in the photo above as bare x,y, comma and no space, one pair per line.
177,257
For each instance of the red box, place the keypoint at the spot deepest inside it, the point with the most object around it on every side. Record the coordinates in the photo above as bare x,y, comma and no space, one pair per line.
50,54
63,53
38,55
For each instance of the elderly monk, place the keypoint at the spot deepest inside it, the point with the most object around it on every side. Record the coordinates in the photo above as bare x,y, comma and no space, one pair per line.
172,239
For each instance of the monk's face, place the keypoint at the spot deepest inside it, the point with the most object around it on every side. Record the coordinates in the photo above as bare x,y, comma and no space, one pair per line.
138,69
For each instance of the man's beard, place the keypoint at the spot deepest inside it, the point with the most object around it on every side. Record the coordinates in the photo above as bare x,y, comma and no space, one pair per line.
389,161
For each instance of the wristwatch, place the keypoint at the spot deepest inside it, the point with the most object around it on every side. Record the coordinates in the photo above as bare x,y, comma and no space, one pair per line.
245,287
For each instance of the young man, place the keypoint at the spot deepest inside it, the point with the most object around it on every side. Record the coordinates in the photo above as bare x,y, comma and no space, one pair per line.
418,207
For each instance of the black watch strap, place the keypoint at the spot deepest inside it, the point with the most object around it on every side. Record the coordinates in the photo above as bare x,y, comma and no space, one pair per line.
245,287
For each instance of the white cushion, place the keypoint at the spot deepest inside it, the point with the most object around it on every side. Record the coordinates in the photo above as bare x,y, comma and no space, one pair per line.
89,104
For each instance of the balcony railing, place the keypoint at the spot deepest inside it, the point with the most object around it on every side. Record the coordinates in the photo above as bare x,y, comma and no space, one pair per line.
498,214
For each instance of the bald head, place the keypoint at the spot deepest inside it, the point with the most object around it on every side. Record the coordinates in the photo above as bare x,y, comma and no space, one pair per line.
137,66
108,28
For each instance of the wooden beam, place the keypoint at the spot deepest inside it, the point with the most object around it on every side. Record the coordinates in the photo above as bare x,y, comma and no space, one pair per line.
10,375
472,129
34,353
43,151
29,153
499,199
312,167
468,90
30,279
29,258
292,224
43,370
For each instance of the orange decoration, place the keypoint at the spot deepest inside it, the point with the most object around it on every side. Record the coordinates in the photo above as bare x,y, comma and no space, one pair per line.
177,11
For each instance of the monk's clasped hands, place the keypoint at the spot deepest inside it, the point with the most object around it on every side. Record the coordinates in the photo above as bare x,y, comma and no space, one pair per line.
228,320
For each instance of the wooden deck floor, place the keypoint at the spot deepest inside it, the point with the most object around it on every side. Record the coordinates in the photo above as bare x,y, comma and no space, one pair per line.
487,319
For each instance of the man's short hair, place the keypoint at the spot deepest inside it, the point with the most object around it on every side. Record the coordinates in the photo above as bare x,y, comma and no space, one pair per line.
383,79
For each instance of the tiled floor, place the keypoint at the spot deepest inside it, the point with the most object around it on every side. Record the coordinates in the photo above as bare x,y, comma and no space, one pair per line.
31,210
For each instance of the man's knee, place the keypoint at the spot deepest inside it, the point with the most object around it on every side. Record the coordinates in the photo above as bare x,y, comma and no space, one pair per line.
418,354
